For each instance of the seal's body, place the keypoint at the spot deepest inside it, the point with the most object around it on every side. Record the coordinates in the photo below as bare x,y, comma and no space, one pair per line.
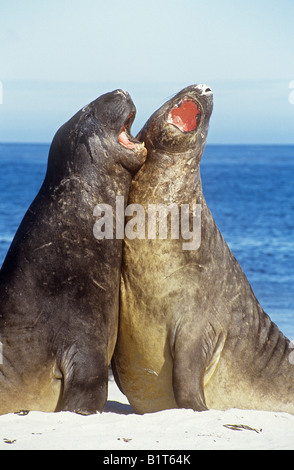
59,285
192,333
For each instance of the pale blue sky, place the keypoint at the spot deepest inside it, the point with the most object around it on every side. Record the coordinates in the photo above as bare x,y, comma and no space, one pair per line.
57,56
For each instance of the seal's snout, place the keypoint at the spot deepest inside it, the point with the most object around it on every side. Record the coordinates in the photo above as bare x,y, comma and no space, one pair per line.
121,92
204,89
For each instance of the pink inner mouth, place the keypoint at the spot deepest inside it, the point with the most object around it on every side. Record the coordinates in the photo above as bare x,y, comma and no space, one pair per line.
124,137
125,141
185,116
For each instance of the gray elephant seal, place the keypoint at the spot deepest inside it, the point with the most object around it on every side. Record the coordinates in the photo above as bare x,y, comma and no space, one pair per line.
59,286
192,333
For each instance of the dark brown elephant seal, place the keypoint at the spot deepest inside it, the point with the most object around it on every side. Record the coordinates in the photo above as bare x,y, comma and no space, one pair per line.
59,285
192,333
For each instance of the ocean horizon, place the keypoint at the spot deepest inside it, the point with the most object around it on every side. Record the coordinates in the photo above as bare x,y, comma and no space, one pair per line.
248,188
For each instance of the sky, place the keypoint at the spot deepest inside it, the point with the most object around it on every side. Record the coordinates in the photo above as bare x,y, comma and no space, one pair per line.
57,56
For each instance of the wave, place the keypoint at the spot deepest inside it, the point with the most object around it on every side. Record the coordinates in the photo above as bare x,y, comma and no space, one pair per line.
6,238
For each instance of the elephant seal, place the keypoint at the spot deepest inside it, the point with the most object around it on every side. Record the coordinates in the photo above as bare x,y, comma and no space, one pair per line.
59,285
192,333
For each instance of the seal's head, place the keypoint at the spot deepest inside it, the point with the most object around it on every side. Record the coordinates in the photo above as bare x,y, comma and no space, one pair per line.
98,135
181,124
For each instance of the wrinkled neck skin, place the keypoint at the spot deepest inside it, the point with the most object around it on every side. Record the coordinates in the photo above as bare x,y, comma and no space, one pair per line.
169,178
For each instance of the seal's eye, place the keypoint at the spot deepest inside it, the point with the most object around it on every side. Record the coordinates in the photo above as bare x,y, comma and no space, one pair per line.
185,116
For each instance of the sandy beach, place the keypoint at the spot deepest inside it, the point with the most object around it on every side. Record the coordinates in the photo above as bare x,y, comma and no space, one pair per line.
119,428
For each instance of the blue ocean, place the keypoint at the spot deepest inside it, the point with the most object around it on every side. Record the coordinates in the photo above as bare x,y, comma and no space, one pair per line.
249,190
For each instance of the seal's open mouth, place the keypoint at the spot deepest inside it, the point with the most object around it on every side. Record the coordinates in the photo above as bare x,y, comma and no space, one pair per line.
125,138
185,115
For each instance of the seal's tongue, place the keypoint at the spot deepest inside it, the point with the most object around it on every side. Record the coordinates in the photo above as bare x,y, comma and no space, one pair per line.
184,116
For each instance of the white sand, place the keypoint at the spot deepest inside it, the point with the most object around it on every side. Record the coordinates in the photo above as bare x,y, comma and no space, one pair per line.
118,428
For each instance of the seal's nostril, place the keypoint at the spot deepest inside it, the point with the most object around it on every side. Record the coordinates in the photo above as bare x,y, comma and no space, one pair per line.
121,92
203,88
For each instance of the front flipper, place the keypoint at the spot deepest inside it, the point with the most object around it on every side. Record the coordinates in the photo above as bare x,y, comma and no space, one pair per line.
196,354
85,381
